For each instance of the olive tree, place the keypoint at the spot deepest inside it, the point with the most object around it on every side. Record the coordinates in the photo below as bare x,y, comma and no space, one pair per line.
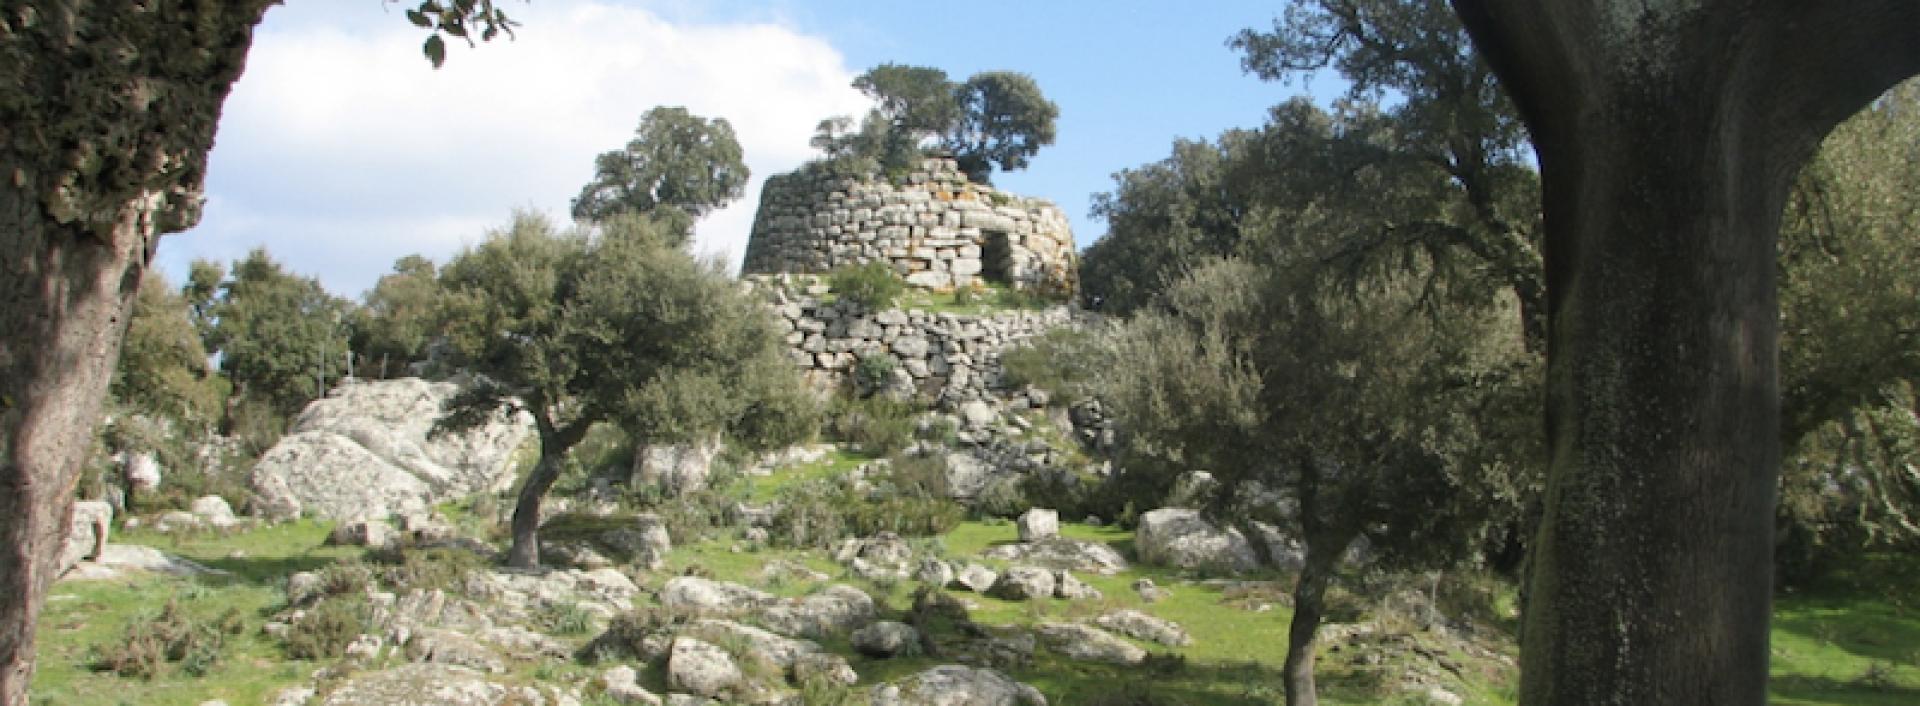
581,327
1393,410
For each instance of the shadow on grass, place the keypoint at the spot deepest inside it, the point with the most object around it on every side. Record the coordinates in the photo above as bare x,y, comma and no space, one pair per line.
1873,633
1804,690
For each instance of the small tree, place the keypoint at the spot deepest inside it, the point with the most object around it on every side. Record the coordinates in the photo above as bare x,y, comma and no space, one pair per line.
393,325
1003,121
577,328
1391,409
281,337
996,118
676,159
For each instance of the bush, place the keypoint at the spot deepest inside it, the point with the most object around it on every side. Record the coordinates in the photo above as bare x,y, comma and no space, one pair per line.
872,285
564,618
873,372
437,568
325,630
174,635
877,426
819,514
1064,361
919,476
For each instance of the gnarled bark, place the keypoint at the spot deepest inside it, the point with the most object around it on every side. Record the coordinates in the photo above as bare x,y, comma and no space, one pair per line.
1668,135
107,110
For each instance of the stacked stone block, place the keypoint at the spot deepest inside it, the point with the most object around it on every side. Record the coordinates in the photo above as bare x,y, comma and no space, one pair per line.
938,230
941,355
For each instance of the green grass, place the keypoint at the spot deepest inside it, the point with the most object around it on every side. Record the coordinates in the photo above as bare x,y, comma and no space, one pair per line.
763,489
1851,639
82,614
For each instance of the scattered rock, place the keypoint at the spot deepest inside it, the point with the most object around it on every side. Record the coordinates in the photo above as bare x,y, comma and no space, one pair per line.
700,668
1021,583
292,696
1037,524
934,572
1067,587
1149,592
622,685
1063,553
436,646
1181,537
1084,642
214,511
692,595
431,685
784,570
882,556
977,578
675,468
977,414
836,610
86,534
117,559
142,472
1141,626
372,533
956,685
886,638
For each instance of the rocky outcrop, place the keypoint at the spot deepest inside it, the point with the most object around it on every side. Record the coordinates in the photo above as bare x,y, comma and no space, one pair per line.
1181,537
86,534
1084,642
886,638
364,451
675,468
1141,626
956,685
697,667
435,685
1063,553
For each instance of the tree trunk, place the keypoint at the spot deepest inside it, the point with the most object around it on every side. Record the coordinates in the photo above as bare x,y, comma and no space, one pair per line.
1668,135
1309,607
554,443
107,110
525,553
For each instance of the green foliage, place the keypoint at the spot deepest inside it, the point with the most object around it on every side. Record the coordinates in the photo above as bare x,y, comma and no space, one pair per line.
1165,216
579,328
676,159
873,285
878,426
994,119
326,629
1003,121
163,365
873,372
1064,361
564,619
396,322
821,513
405,568
282,339
191,638
462,19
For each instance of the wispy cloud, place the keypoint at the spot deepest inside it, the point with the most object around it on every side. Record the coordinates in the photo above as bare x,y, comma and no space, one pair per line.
341,149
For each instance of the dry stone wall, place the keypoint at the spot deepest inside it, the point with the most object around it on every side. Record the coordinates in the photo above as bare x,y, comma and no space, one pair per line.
938,356
938,230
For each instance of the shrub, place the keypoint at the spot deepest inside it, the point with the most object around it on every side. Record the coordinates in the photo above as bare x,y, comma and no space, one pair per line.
174,635
1064,360
436,568
872,285
876,425
627,634
564,618
919,476
325,630
818,514
873,372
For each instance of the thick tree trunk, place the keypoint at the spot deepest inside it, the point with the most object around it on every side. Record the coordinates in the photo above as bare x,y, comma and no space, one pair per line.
1309,608
107,110
1668,135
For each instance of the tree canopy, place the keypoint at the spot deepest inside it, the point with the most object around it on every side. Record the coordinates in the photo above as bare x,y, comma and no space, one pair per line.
675,160
616,326
993,119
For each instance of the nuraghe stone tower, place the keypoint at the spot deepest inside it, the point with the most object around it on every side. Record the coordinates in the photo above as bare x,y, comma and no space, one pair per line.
938,230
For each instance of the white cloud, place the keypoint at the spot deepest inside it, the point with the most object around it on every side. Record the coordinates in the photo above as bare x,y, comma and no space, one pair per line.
342,150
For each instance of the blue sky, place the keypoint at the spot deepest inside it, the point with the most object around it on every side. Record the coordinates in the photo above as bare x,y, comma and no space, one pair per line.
340,149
